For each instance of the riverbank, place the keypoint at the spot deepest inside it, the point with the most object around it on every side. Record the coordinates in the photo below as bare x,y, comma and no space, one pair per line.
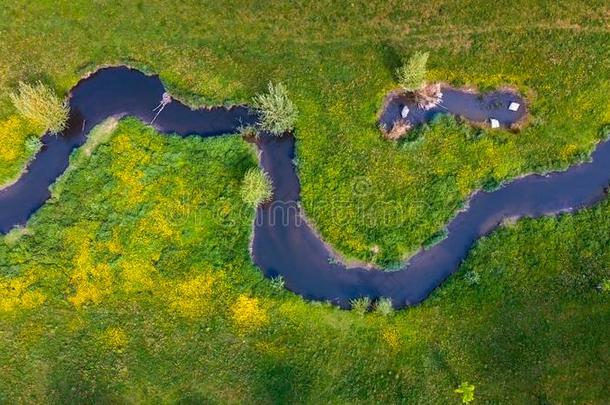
176,247
166,257
284,243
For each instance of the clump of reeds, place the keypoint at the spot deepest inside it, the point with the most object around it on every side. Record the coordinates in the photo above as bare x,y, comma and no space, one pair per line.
277,113
41,106
399,129
360,305
256,187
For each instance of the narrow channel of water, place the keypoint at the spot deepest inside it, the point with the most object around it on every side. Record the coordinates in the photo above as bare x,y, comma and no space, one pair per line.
282,243
473,107
115,91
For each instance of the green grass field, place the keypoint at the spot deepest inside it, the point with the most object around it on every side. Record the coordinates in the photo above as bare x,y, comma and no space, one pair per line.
112,297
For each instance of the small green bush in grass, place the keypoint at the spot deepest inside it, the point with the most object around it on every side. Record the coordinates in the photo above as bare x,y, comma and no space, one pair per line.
39,104
15,235
256,187
472,277
278,283
435,239
384,306
32,145
278,113
466,390
247,131
412,75
360,305
605,286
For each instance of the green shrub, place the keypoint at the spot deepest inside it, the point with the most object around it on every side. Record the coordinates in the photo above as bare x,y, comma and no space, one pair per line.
277,113
247,131
256,187
384,306
32,145
472,277
435,239
466,391
360,305
412,75
15,235
277,283
605,286
41,106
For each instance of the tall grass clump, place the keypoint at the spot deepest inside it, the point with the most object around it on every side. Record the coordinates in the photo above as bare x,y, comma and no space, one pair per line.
384,306
256,187
32,145
360,305
41,106
412,75
278,113
278,283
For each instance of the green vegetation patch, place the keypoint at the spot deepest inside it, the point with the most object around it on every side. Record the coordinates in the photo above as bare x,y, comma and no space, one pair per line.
256,187
99,135
339,64
144,291
18,143
278,113
41,106
412,75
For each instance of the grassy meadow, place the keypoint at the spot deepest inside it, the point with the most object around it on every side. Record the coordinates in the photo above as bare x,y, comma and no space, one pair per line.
144,291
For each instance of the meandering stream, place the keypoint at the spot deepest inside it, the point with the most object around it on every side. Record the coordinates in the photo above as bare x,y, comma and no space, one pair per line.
283,244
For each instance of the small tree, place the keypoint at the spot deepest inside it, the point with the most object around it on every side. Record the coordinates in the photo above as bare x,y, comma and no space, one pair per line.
256,187
412,75
278,113
466,391
40,105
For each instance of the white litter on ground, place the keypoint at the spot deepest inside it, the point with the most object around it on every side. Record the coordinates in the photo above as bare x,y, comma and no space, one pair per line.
494,123
514,106
404,112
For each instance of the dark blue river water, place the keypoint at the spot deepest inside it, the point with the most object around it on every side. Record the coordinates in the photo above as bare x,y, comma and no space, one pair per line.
284,244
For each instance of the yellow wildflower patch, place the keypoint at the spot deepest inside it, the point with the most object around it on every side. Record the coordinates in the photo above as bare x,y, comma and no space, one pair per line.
390,336
130,180
32,332
115,338
191,298
13,132
114,245
126,159
568,152
248,314
77,323
16,294
157,223
91,281
138,274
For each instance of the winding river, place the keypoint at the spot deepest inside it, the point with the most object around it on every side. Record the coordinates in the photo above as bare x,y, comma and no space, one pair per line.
283,242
